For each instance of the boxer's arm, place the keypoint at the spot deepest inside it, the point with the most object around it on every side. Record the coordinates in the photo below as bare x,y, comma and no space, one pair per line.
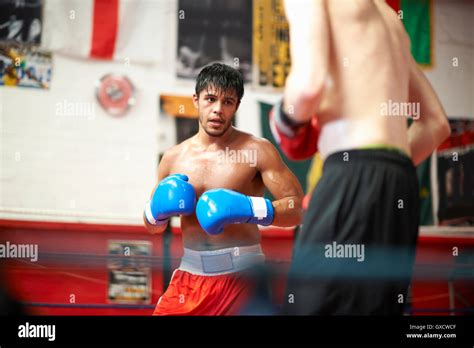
163,172
432,127
282,184
309,49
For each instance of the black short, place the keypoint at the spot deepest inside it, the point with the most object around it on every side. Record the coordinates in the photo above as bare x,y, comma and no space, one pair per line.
355,252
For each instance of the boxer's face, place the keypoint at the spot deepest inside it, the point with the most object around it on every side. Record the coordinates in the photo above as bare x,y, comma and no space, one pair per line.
216,110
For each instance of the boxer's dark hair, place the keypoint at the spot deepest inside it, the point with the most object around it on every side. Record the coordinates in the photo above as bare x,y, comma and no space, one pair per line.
222,77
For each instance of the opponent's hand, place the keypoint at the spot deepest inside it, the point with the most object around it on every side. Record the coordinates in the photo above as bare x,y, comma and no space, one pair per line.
219,207
297,142
173,196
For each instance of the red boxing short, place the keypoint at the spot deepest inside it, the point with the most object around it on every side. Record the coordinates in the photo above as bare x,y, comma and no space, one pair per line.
211,282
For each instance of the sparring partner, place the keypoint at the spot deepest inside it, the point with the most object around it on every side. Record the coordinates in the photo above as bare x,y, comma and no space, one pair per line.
352,86
215,181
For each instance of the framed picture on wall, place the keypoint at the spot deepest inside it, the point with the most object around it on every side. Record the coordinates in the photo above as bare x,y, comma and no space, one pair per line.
21,21
129,272
25,66
214,31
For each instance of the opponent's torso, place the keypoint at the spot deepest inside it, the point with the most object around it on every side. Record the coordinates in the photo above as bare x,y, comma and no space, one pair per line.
368,55
209,168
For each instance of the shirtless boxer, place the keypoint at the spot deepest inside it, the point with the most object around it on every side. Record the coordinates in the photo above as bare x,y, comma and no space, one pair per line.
351,63
220,234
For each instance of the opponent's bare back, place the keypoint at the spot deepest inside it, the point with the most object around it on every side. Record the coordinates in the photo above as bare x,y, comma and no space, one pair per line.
369,67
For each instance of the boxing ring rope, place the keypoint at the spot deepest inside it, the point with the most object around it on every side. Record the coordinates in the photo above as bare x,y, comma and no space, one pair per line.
165,262
71,216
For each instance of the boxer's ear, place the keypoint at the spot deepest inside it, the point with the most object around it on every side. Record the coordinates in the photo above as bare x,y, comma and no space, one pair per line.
237,106
196,101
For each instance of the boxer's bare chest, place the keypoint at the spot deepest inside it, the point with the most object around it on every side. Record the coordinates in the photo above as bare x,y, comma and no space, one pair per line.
233,168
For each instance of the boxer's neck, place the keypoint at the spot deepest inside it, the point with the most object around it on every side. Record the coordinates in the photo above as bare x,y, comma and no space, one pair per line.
219,141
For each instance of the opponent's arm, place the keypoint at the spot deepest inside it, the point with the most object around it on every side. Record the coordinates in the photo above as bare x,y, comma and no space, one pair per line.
309,49
432,127
282,184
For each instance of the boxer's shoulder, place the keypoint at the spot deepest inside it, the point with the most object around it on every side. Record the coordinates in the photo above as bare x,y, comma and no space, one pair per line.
266,151
173,153
183,147
250,140
263,144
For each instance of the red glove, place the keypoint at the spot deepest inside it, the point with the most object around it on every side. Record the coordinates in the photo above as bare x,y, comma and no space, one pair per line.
297,141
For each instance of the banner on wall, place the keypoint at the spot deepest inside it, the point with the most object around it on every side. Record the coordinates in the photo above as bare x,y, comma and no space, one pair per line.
129,269
271,50
184,115
122,30
21,21
416,17
178,106
24,66
214,31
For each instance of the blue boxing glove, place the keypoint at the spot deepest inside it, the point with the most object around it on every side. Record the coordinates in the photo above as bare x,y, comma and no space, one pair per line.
173,196
220,207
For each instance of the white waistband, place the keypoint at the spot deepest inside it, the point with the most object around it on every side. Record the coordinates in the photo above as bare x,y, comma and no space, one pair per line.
221,261
335,137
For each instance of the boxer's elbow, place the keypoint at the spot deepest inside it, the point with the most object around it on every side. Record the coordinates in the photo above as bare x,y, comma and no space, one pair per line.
443,130
434,124
440,129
